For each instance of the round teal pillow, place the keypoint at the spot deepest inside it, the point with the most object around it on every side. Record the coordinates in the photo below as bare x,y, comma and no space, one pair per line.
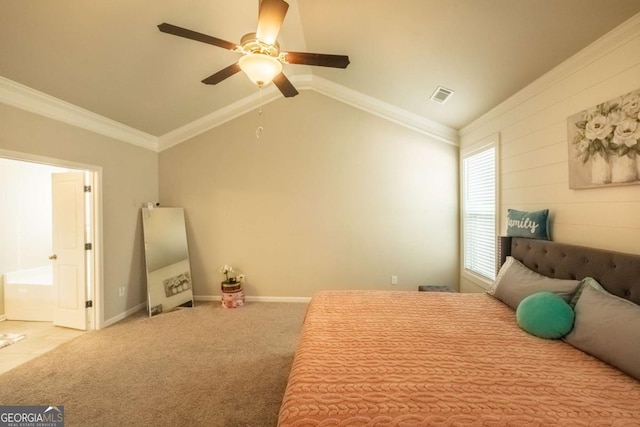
545,315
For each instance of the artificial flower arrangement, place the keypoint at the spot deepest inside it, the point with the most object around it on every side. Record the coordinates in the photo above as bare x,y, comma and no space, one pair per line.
226,270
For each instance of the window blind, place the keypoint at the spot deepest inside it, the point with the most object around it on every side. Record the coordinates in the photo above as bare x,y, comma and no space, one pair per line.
479,216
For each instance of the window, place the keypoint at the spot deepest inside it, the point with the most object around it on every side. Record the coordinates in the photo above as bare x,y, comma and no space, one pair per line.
479,211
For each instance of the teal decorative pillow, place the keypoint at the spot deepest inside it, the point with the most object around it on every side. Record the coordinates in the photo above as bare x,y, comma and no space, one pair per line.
545,315
534,225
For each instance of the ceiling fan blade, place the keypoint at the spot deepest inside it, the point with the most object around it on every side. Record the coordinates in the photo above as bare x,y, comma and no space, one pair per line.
321,59
285,86
270,17
227,72
193,35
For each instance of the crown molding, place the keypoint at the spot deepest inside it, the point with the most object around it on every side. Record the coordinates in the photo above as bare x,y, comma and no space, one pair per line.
614,39
218,117
386,111
325,87
228,113
25,98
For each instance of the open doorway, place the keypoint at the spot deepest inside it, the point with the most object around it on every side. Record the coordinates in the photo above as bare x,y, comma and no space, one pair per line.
26,254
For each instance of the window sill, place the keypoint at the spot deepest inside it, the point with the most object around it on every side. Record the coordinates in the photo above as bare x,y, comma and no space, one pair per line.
476,279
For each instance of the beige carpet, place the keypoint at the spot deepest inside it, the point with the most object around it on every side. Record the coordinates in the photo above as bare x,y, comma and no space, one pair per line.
204,366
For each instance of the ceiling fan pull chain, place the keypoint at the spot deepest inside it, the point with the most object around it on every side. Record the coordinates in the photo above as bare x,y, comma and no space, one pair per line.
260,128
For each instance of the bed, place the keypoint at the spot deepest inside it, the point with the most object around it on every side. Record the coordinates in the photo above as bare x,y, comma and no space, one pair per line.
383,358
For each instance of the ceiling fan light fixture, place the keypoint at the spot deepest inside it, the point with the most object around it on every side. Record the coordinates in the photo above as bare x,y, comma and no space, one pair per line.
260,68
261,58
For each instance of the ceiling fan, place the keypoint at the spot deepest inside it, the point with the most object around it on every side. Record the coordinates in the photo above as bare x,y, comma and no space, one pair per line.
261,58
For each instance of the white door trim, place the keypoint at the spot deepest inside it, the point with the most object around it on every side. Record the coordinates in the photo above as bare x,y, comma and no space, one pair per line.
95,316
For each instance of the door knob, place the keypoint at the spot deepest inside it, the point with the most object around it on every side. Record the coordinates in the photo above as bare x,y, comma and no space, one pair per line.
53,257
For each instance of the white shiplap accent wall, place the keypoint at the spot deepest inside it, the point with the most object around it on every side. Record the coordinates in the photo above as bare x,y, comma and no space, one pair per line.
533,158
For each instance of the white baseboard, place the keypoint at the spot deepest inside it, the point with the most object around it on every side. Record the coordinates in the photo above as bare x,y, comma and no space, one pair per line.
207,297
255,298
3,317
139,307
121,316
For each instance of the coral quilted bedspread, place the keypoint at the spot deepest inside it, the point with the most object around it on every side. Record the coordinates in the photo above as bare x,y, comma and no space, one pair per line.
375,358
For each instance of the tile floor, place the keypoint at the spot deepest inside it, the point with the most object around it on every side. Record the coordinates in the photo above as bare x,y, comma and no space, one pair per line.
40,338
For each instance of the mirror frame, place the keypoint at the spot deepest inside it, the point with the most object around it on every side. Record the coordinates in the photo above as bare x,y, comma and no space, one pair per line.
167,264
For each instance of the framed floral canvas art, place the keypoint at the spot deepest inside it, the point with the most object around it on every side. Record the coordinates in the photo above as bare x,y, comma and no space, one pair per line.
604,143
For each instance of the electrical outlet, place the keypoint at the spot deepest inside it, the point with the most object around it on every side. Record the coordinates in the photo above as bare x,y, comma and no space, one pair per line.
121,291
240,278
394,280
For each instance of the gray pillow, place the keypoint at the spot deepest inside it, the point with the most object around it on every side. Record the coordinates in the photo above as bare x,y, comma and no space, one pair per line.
515,282
587,281
607,327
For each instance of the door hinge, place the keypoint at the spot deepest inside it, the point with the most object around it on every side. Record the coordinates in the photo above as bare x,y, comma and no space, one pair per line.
88,304
88,246
87,189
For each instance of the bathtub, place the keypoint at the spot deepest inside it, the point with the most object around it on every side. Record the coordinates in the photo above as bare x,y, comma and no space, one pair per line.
28,294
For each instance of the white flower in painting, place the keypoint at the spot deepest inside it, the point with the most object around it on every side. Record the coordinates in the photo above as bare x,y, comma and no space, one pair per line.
631,104
627,133
583,145
598,128
616,117
587,115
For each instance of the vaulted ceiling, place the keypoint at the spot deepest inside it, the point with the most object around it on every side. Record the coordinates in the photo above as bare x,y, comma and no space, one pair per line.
108,57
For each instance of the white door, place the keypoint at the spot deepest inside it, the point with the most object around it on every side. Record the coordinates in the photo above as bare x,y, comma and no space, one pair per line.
68,256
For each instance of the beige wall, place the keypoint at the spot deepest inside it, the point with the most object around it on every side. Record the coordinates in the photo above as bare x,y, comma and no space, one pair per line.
129,178
330,197
534,152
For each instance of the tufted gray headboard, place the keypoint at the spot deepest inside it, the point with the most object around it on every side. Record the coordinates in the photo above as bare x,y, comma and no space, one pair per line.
617,272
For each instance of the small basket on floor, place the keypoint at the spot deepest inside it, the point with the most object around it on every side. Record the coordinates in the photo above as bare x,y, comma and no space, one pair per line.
232,295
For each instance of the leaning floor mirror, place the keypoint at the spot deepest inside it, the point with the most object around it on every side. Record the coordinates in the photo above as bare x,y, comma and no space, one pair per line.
167,259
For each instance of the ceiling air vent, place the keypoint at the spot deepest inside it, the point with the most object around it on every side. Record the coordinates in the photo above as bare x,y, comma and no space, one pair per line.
441,94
